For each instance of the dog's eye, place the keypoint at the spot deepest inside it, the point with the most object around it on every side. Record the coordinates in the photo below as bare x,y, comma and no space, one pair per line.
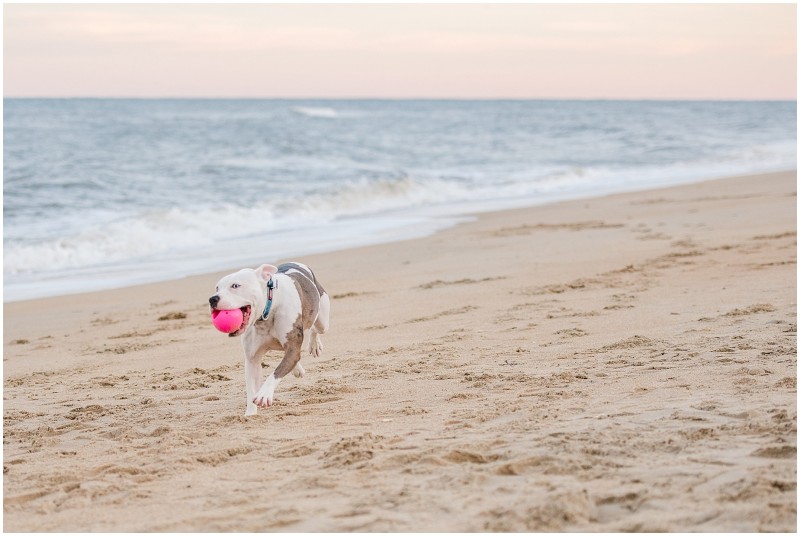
236,285
217,289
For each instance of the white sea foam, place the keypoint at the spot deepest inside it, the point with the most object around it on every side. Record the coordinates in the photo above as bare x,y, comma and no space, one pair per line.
181,230
128,239
185,229
328,113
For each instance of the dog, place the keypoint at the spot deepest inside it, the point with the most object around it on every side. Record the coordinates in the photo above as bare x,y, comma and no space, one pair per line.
280,306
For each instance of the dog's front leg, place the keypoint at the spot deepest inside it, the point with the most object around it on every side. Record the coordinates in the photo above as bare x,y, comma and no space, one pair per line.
252,379
254,345
293,347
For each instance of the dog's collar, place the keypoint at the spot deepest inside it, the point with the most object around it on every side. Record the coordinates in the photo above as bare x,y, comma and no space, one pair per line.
271,285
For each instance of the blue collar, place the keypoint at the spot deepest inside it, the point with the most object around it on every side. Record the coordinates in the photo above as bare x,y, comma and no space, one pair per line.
271,284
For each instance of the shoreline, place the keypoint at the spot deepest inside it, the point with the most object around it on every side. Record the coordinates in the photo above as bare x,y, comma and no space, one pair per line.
454,215
617,363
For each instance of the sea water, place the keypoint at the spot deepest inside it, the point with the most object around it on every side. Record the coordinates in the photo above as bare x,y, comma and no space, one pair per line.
102,193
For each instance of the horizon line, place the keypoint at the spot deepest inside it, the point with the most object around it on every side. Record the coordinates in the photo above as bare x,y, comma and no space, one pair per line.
363,98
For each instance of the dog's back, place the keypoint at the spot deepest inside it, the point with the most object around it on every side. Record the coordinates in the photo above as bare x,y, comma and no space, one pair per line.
289,268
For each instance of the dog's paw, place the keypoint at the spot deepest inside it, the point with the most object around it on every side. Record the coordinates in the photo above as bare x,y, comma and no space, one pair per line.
251,410
263,401
299,371
265,396
315,348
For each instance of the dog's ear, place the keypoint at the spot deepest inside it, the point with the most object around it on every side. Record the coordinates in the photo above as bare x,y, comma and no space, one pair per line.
264,271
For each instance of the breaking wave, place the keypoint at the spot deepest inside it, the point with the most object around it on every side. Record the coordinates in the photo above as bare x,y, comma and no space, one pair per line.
328,113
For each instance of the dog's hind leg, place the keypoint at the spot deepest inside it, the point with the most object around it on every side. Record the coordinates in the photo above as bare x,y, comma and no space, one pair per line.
322,322
320,326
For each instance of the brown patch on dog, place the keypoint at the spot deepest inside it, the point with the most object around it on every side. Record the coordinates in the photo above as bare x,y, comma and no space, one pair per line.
309,299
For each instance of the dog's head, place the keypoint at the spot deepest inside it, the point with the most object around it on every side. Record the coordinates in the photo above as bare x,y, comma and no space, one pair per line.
245,290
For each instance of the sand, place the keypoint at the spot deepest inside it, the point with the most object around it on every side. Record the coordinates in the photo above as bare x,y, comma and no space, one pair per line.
625,363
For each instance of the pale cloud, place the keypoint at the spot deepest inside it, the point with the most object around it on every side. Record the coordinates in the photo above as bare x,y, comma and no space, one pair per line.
195,32
589,26
467,43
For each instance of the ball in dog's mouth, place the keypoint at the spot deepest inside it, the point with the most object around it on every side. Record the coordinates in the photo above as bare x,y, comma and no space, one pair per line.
231,321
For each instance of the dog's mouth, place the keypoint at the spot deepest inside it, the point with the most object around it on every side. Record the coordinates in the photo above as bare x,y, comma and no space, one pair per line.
245,321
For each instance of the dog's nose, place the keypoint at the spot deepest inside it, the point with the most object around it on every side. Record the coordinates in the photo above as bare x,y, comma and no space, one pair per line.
213,301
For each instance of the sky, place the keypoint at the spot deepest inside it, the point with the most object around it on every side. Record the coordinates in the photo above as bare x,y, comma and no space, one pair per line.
482,51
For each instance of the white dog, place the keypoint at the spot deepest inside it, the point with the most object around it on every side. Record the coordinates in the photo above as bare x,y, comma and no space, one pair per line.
280,305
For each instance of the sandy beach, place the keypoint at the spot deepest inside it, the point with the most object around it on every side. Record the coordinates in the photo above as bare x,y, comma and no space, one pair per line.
624,363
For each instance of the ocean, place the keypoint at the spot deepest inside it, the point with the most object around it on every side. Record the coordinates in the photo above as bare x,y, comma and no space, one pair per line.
105,193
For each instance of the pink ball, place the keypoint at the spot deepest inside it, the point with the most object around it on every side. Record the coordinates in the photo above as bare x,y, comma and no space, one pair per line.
227,320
